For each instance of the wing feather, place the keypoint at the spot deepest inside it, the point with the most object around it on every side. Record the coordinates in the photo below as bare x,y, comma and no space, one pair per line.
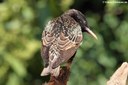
47,39
68,41
60,40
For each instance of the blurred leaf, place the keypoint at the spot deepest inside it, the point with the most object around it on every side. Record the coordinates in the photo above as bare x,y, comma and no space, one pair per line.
111,21
110,7
65,4
16,65
4,12
30,49
13,80
102,80
14,24
3,69
107,61
28,14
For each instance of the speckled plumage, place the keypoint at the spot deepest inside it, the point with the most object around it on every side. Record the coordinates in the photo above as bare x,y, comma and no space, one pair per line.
60,40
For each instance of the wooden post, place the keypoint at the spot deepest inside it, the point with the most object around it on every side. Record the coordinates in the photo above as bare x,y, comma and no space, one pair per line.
120,75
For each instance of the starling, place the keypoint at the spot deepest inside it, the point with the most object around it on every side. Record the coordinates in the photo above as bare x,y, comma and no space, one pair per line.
61,38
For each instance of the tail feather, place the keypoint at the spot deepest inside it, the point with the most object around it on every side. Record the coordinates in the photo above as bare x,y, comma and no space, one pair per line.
46,71
55,72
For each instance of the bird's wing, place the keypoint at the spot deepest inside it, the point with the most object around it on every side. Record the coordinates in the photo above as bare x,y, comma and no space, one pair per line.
60,40
68,41
47,39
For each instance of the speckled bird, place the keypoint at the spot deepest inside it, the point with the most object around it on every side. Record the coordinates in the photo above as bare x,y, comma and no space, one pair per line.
61,38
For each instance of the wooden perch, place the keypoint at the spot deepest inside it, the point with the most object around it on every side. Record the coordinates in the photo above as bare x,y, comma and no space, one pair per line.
63,77
120,76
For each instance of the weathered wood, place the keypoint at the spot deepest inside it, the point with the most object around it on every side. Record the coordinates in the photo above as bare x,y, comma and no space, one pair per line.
120,75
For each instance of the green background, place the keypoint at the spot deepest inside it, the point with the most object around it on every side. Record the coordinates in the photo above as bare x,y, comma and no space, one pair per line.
21,26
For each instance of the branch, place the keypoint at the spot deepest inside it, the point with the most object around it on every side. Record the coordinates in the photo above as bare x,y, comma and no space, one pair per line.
63,77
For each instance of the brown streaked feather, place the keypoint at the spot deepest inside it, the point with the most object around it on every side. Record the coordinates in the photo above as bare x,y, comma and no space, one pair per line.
64,43
45,54
47,37
60,40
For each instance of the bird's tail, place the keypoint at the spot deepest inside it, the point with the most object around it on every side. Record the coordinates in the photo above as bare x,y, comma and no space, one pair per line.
48,70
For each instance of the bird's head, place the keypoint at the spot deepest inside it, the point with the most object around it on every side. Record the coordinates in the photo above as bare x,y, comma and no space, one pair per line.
80,18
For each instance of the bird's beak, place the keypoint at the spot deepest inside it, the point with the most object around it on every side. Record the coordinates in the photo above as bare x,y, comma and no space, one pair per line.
91,33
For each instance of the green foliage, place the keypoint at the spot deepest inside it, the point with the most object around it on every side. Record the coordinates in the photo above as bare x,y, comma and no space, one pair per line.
21,25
